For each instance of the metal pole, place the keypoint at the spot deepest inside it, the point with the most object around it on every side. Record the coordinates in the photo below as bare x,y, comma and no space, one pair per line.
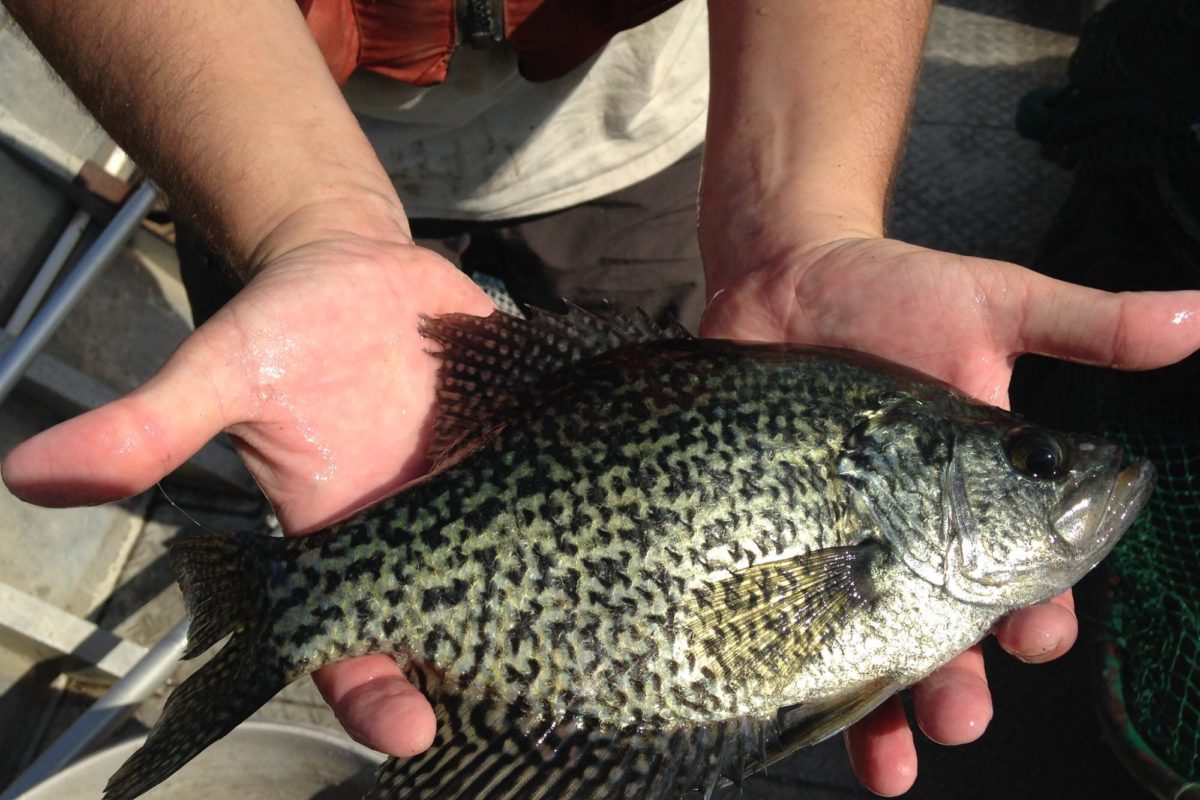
42,327
48,272
106,713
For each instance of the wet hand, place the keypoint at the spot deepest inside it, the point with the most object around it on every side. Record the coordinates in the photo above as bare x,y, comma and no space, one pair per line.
963,320
316,371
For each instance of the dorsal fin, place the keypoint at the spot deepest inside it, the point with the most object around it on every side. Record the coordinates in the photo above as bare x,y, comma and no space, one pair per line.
489,363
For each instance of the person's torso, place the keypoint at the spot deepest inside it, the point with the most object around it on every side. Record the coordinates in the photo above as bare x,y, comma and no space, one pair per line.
488,142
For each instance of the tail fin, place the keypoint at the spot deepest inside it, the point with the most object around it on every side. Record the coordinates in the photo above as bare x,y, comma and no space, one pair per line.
223,583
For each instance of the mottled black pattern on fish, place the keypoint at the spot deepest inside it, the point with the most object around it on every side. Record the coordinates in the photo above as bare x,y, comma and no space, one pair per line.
587,520
640,567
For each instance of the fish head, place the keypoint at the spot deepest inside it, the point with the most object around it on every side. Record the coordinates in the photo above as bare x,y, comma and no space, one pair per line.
997,511
1032,510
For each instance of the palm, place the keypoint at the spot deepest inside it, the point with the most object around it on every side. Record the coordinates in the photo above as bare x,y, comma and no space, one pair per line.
963,320
336,386
931,319
925,309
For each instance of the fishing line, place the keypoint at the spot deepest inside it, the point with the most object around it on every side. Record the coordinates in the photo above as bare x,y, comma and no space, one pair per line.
181,510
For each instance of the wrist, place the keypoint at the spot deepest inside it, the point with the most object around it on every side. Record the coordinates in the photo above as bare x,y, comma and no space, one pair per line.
357,247
744,246
348,213
807,113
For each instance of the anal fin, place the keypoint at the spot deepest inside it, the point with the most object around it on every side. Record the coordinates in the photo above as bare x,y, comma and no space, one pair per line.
488,750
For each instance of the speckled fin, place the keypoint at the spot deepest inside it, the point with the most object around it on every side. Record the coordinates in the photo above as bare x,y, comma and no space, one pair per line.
488,363
485,750
222,585
769,616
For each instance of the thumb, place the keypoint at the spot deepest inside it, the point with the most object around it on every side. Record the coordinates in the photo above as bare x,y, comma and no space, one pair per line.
126,446
1126,330
377,705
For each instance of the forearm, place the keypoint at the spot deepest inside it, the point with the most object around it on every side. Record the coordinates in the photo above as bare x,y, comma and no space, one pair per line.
228,105
809,109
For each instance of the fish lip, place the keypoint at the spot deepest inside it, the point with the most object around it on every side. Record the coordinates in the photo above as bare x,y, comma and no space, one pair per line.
1127,496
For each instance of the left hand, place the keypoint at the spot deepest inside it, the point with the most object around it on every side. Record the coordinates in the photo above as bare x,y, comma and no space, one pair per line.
317,371
963,320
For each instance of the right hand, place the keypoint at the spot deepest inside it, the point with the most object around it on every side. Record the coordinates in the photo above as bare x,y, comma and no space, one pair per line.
317,372
963,320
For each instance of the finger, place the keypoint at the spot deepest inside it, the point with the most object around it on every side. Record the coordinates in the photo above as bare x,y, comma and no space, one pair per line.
128,445
1040,633
377,705
953,705
881,750
1128,330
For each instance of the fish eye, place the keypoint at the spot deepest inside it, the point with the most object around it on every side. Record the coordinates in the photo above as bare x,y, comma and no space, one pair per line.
1036,452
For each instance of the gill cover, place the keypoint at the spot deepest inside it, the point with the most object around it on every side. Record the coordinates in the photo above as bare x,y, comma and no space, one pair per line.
898,464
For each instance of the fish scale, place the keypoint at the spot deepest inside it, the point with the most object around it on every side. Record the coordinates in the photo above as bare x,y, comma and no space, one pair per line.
654,529
641,566
583,596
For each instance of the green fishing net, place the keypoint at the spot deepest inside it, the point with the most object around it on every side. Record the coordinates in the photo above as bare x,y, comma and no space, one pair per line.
1156,613
1153,624
1129,124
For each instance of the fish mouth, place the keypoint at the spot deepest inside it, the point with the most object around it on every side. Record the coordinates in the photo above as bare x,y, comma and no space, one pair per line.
1130,492
1127,495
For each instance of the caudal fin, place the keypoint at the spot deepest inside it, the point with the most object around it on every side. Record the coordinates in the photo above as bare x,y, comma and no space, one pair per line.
222,578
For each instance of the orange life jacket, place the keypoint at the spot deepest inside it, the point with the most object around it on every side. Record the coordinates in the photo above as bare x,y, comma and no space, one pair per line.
411,40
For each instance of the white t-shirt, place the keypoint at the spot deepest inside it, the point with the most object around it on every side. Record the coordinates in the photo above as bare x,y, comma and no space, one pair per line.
487,144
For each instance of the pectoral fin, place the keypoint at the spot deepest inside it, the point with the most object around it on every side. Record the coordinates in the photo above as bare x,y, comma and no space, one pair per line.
772,616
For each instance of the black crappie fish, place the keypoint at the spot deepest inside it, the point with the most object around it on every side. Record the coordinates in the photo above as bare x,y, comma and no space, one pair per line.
644,566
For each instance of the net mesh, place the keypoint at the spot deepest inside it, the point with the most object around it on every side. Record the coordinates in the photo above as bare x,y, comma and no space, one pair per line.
1130,125
1155,611
1157,616
1132,89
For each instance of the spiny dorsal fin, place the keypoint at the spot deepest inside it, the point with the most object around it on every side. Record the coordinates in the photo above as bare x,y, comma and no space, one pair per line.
488,363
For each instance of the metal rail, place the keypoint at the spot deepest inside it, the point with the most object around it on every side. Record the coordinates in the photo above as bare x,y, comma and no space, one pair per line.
46,321
106,713
48,273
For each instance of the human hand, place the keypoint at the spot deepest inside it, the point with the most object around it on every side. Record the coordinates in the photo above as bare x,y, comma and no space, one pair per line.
317,371
963,320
